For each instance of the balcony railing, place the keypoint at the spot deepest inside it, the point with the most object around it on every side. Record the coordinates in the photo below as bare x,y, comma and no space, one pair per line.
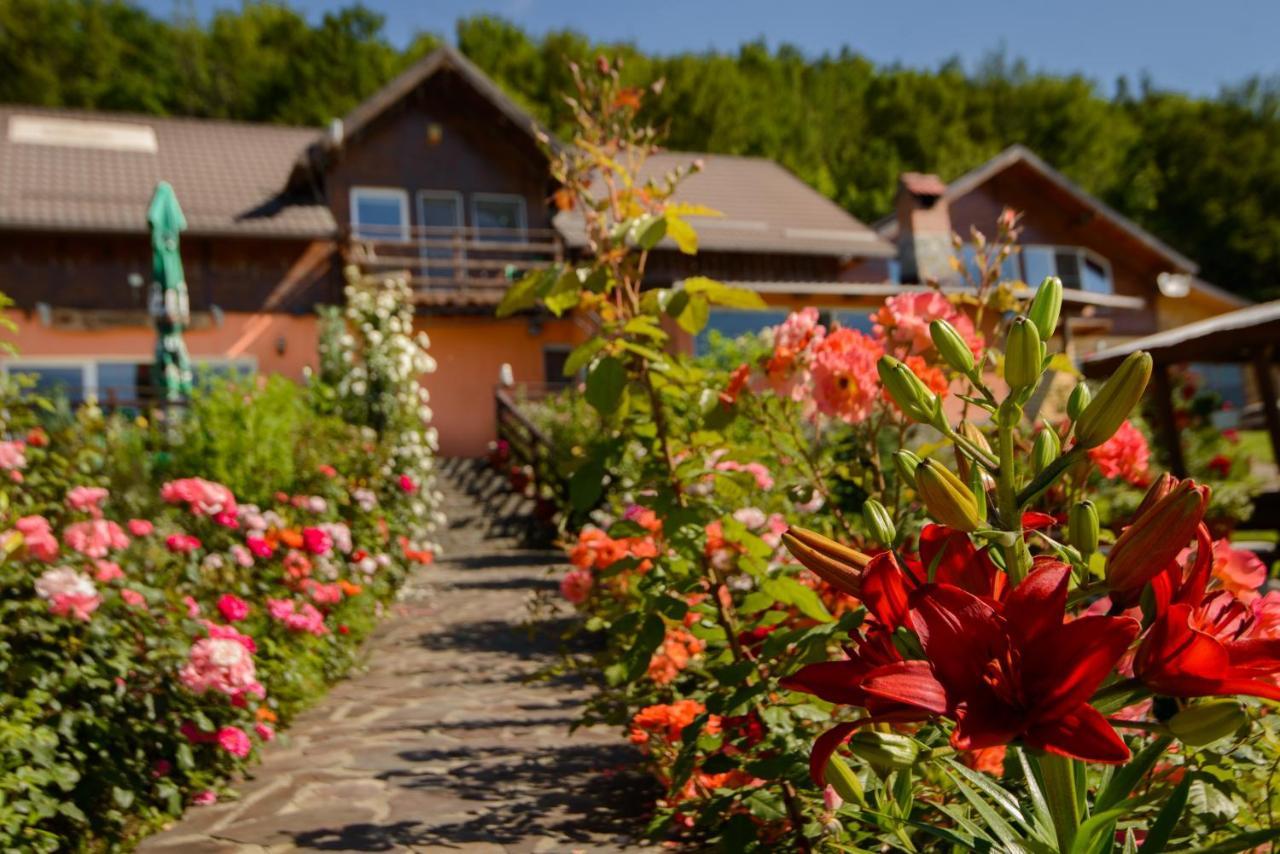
464,265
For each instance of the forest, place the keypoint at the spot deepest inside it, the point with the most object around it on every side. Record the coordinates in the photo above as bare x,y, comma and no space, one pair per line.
1201,173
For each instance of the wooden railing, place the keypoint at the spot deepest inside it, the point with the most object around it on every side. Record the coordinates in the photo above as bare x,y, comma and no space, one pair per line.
449,265
529,446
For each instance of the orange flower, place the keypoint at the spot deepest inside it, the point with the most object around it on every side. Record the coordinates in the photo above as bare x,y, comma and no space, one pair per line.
664,722
348,588
677,649
290,537
297,565
265,714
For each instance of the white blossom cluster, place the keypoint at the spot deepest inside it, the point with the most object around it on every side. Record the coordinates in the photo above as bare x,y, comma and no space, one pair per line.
382,360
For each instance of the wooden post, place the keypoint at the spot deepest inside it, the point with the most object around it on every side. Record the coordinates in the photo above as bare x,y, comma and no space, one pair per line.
1267,389
1167,423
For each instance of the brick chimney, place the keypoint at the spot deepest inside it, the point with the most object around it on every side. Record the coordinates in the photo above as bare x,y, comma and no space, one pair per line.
924,228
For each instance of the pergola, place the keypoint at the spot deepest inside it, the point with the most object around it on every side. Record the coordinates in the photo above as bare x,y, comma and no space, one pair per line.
1249,336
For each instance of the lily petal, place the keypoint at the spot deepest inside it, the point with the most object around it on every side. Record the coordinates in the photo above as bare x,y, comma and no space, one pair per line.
1082,734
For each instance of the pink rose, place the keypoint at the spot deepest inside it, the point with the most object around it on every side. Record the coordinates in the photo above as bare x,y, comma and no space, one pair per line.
407,484
576,586
219,664
132,597
265,732
205,798
95,537
140,527
202,497
37,536
87,499
235,741
317,540
193,607
259,546
182,543
107,571
233,608
68,593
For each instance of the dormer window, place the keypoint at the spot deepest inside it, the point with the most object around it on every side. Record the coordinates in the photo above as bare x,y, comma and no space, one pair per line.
1079,268
379,213
499,216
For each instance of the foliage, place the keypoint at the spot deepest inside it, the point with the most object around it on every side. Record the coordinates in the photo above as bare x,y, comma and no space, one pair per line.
959,668
1203,174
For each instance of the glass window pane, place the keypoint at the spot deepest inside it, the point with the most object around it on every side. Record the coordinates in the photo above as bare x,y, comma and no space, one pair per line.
505,214
440,211
853,319
378,215
1097,278
1038,261
1068,262
122,381
1011,269
732,322
54,380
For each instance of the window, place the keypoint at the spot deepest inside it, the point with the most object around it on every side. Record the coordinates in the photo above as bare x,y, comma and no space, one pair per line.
440,213
110,380
380,213
859,319
1078,268
1010,269
554,357
502,215
729,323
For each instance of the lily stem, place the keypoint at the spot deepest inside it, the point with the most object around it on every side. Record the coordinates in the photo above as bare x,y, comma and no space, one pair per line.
1059,775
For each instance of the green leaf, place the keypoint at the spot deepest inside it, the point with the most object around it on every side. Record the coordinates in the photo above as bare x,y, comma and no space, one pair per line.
722,294
695,314
586,485
581,355
804,599
682,233
524,294
1127,777
605,384
1243,842
1161,829
564,293
647,641
651,232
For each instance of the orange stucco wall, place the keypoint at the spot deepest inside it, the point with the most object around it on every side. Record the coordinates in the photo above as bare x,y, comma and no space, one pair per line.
254,337
469,352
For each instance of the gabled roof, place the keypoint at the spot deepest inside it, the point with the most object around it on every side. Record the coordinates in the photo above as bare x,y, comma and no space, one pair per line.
1238,336
1020,154
76,170
763,207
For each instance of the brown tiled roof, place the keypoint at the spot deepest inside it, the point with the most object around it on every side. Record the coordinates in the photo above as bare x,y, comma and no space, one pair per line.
764,208
229,176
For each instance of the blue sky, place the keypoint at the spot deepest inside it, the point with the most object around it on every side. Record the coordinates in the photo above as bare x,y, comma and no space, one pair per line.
1192,45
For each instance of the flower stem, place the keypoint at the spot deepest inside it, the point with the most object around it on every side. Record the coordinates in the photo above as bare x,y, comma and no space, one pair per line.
1059,776
1006,494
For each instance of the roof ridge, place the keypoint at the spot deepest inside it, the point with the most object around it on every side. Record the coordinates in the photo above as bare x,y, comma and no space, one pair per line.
131,116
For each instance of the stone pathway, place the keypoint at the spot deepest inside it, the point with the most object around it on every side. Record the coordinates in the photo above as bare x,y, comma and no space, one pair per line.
439,744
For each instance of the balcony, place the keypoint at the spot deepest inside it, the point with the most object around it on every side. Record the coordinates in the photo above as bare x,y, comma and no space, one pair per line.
465,266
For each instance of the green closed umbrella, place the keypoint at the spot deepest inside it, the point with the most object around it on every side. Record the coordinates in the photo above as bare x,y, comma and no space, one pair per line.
171,373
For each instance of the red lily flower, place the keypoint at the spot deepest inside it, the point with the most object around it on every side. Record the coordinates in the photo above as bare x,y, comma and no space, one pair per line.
948,556
1020,672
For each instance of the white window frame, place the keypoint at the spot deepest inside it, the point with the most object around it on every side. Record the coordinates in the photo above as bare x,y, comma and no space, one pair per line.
396,193
522,214
460,210
1084,253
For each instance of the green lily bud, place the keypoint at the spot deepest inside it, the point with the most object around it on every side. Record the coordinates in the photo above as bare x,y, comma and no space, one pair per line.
907,390
1205,723
1082,527
879,523
887,751
906,464
946,497
843,780
951,347
1045,449
1079,399
1022,354
969,431
1046,306
1116,399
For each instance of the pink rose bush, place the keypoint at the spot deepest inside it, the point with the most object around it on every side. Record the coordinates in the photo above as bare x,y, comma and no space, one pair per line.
69,593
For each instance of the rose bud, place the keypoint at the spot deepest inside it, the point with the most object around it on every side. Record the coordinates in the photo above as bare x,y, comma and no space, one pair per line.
1045,449
1205,723
1082,527
946,497
1116,399
836,564
907,390
879,523
1079,399
1154,539
906,464
887,751
1023,354
951,346
1045,307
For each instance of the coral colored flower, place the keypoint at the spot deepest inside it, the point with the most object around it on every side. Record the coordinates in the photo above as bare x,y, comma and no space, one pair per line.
132,597
317,541
297,565
323,594
666,722
763,479
989,760
106,571
737,381
202,497
327,470
232,608
182,543
37,438
576,586
95,537
13,455
87,499
37,537
68,593
677,650
140,527
845,382
903,321
1125,456
235,741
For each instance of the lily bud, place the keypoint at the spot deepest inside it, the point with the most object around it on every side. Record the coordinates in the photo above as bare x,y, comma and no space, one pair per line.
886,751
1205,723
907,390
1045,449
1022,354
946,497
1082,527
951,346
970,431
879,523
1155,538
1046,306
1161,487
1079,399
836,564
839,777
906,464
1116,399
